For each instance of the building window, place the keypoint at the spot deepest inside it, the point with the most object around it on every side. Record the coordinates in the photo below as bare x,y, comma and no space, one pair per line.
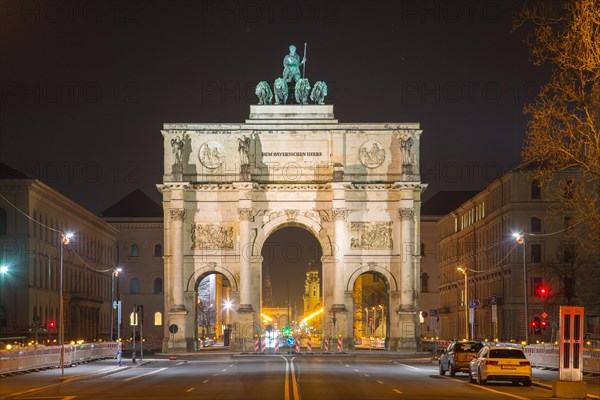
133,319
422,249
424,282
158,286
536,224
535,284
157,250
134,286
536,253
3,222
536,193
157,318
569,254
134,250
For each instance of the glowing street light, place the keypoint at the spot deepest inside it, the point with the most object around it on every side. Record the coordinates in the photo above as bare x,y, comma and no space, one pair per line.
65,239
520,238
464,272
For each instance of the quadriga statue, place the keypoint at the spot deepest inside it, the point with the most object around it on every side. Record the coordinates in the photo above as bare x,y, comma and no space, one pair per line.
281,91
319,92
302,90
263,91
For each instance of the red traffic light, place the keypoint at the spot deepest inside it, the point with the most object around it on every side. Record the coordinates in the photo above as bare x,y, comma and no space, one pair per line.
543,291
534,323
544,324
51,325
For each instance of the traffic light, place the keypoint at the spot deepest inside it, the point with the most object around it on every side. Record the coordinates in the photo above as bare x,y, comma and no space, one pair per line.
286,331
536,325
543,325
543,291
51,324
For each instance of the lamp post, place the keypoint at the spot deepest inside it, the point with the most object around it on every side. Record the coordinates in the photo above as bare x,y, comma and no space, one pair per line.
464,272
520,238
65,239
114,304
3,272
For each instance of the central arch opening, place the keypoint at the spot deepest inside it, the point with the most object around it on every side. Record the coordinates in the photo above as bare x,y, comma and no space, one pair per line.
213,310
292,286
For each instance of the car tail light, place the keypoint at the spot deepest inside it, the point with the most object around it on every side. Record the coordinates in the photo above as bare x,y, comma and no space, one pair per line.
490,362
525,363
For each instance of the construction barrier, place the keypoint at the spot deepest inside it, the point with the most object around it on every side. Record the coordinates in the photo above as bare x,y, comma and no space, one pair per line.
264,345
41,357
326,344
547,356
256,345
309,345
339,346
277,345
298,345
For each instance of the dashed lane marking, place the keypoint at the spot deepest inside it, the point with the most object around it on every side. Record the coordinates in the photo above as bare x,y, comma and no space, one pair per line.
205,381
146,374
397,391
378,381
356,370
189,390
410,366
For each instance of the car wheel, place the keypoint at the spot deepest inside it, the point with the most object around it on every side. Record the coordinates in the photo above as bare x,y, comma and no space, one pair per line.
471,379
527,382
452,370
442,372
480,380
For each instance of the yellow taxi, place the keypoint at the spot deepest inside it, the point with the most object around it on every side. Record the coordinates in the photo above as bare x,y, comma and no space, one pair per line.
500,363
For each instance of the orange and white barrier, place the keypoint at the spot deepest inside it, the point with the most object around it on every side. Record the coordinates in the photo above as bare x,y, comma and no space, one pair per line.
298,345
326,344
309,345
339,346
264,345
277,345
256,345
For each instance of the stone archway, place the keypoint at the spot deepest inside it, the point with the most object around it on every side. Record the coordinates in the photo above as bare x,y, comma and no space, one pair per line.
355,187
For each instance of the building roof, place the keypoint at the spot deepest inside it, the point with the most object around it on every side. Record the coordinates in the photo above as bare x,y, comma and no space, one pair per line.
135,204
446,201
7,172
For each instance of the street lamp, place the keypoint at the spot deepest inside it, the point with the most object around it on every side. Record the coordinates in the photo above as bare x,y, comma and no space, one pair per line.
65,239
3,272
115,304
520,238
466,300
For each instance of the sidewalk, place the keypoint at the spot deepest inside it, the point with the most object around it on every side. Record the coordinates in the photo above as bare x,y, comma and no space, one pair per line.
593,382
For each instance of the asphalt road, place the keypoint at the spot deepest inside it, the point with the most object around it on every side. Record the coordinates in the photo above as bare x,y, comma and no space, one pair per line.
267,377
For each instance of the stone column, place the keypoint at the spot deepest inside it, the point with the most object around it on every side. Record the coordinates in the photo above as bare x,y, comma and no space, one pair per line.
245,254
176,230
407,275
340,216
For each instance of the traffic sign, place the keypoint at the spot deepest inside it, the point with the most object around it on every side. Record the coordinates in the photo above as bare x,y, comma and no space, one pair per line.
544,315
424,314
291,341
471,303
433,313
173,328
494,300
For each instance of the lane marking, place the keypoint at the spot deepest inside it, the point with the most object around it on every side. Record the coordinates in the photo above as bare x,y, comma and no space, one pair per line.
378,381
224,370
205,381
215,374
286,385
397,391
183,362
410,366
356,370
294,383
366,374
347,365
189,390
146,374
490,389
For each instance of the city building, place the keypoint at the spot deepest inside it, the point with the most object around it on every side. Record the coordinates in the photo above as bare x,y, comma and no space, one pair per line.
504,262
34,253
139,280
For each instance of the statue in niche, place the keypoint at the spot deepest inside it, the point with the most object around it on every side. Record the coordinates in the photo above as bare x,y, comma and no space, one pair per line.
319,92
244,149
302,90
291,65
263,91
177,144
281,91
405,146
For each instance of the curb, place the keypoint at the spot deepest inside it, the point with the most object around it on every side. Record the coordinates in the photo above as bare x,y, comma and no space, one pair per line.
549,387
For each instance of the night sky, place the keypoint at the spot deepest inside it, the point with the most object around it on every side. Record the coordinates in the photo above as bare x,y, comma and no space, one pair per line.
87,85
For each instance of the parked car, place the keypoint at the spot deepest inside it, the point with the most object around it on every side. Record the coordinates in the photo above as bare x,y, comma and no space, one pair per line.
457,356
500,363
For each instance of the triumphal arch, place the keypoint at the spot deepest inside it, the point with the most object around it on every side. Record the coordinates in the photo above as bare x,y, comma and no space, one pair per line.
228,186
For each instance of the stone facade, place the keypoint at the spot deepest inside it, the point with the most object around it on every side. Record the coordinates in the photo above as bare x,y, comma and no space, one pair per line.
356,187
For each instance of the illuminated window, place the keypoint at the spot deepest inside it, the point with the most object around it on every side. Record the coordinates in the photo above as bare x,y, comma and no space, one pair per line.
133,319
157,318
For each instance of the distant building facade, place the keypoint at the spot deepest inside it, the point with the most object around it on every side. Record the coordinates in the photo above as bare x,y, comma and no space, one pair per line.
30,249
140,282
478,236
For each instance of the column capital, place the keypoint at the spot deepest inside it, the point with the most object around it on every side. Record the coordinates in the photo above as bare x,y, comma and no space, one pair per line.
245,213
177,214
339,214
407,213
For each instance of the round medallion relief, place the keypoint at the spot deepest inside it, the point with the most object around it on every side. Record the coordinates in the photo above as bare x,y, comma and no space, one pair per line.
371,154
212,154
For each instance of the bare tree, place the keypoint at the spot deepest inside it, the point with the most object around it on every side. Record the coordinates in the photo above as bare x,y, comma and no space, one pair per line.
563,130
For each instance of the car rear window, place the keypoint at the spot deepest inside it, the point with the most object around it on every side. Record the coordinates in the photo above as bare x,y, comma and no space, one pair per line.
507,353
474,347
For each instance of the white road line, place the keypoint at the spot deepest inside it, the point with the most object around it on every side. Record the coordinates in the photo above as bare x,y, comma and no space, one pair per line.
189,390
378,381
347,365
205,381
215,374
146,374
183,362
397,391
366,374
294,383
492,390
410,366
224,370
356,370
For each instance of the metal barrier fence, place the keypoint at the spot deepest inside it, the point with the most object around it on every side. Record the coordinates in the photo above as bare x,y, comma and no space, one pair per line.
546,356
40,357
